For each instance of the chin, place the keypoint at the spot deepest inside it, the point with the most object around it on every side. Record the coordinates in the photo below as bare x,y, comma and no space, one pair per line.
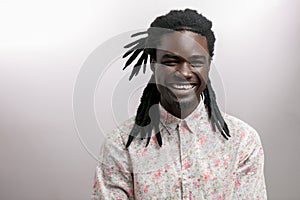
186,104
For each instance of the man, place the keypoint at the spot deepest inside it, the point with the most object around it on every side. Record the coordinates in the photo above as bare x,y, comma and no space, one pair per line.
191,149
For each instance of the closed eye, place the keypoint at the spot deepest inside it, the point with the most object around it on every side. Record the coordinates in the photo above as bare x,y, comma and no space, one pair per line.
170,62
197,64
170,59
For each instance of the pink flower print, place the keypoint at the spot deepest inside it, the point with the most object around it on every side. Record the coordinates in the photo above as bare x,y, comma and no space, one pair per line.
146,190
154,139
197,184
157,175
187,165
144,151
237,183
217,163
225,164
183,130
243,135
206,176
202,140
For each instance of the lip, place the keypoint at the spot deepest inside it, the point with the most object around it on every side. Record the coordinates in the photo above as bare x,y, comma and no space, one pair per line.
182,88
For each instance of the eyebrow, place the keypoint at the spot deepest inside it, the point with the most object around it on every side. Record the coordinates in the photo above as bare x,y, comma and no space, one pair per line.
173,56
170,56
198,57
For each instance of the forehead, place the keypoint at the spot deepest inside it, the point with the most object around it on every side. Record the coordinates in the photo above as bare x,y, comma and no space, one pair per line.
183,43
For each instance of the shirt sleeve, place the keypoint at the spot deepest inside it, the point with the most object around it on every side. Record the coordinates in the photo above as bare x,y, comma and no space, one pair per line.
113,177
250,182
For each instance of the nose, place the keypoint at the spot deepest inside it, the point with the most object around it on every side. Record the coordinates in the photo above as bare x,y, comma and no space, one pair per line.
185,70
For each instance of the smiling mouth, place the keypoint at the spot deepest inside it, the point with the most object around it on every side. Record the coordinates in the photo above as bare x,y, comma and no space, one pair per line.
183,86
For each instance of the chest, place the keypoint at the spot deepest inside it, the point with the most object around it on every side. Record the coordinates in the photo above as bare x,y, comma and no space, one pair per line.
172,173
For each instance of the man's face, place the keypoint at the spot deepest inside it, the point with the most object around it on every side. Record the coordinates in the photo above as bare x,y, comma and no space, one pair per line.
181,71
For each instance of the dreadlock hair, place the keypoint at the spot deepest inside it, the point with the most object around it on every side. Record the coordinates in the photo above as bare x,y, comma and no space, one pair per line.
147,116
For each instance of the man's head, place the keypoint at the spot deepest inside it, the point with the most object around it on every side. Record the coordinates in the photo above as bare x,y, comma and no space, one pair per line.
189,20
180,68
180,45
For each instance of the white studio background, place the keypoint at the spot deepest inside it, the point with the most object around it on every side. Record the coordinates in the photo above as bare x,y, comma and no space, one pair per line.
43,45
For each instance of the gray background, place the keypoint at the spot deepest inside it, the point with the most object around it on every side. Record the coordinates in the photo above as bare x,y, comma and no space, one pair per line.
43,44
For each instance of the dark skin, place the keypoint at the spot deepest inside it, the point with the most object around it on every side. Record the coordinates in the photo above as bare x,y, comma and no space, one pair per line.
181,70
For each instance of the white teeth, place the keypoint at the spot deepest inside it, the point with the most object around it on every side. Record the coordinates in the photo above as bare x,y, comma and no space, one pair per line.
182,87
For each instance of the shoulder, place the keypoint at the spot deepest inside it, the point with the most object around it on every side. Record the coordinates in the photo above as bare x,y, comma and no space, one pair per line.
242,132
246,140
119,135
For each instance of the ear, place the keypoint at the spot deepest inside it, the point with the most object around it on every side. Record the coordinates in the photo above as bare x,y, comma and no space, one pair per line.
152,65
209,63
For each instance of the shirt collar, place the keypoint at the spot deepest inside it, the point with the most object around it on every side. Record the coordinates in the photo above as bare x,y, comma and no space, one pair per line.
193,121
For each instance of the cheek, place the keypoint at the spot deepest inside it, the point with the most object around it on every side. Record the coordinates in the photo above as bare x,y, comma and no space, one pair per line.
205,75
157,75
202,75
161,72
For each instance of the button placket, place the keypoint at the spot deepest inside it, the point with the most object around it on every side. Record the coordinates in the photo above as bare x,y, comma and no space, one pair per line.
185,161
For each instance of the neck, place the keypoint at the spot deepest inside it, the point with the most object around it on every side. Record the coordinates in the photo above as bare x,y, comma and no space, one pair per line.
180,110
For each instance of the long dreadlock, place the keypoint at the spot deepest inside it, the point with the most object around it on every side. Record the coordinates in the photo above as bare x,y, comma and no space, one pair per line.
147,116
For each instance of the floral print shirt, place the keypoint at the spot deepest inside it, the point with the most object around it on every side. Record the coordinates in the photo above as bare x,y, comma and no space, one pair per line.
194,162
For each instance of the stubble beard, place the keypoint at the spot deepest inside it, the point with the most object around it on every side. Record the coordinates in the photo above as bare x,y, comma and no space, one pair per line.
180,107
